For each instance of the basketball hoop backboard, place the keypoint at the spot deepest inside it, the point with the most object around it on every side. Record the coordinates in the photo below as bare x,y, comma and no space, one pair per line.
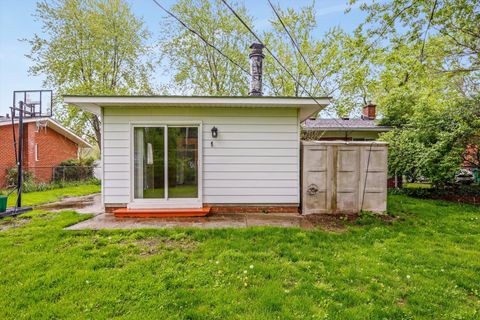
36,103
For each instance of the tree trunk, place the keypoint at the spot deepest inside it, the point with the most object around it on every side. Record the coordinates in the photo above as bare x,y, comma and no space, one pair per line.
96,128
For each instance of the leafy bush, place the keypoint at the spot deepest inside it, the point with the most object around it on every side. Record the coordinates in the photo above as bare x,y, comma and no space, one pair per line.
432,141
29,184
28,181
432,192
74,170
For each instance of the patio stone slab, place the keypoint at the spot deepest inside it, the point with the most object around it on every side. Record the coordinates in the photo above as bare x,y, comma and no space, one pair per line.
109,221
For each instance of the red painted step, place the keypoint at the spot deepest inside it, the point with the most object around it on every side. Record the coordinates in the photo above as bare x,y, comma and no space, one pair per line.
159,213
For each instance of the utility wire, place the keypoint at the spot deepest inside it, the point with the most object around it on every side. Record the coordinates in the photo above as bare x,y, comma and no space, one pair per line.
295,44
201,37
207,42
275,58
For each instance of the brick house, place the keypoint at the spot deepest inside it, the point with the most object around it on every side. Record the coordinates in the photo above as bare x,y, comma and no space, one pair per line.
46,145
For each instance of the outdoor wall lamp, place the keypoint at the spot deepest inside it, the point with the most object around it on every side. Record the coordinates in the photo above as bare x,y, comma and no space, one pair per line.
214,132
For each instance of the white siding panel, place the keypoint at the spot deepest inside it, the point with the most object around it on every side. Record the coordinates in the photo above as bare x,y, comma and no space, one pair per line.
116,199
206,112
234,176
209,121
236,128
251,191
233,167
254,160
257,144
110,167
117,143
115,152
247,159
116,191
251,199
252,183
253,136
117,135
248,152
117,160
118,177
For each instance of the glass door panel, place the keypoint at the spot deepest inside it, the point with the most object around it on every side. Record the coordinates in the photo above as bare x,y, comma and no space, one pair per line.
152,168
182,162
149,162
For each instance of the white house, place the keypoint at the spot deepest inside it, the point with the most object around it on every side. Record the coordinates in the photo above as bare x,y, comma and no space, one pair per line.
166,152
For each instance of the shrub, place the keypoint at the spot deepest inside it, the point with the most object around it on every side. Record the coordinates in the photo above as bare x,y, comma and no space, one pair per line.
74,170
12,178
433,192
29,184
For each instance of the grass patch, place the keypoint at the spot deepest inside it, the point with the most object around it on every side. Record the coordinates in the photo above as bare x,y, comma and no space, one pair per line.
180,191
425,264
40,197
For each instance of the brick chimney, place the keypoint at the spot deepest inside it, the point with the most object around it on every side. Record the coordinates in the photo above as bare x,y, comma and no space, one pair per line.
369,111
256,57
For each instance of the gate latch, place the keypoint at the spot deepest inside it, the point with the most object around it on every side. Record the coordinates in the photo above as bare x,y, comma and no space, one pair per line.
312,189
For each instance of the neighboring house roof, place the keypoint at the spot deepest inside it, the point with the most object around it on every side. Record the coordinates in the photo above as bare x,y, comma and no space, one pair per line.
54,125
307,106
343,125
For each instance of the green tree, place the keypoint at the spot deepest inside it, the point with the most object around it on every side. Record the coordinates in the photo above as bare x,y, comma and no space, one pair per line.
433,144
90,47
457,21
198,68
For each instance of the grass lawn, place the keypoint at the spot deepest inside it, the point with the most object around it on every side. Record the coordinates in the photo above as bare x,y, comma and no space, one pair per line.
34,198
179,191
424,265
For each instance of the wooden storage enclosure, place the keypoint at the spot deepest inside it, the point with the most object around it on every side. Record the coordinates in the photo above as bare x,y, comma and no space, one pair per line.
344,176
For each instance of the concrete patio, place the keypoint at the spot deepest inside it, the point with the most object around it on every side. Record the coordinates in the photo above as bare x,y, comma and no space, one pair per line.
108,221
91,204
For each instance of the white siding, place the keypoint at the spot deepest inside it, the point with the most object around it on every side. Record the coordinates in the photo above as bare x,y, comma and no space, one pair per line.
255,158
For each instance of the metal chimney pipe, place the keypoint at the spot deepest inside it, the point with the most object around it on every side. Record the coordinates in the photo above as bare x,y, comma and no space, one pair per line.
256,70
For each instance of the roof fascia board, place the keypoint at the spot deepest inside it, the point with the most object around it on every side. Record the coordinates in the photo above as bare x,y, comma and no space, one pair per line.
95,101
56,127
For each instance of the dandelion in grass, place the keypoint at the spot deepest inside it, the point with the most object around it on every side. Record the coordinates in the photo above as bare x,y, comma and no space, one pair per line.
251,266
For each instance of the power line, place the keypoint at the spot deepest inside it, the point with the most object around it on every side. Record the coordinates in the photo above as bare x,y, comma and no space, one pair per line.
275,58
295,44
201,37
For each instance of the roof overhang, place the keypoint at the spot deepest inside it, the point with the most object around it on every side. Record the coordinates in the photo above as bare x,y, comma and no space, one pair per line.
57,127
94,104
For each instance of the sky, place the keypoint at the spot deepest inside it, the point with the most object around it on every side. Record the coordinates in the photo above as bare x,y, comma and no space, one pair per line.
17,22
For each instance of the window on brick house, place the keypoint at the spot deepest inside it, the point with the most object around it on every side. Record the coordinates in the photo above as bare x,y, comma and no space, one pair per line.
36,151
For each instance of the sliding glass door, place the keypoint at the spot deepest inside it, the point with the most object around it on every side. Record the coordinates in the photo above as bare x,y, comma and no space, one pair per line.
165,162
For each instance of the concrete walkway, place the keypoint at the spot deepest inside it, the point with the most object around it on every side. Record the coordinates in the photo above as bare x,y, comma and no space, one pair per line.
91,204
108,221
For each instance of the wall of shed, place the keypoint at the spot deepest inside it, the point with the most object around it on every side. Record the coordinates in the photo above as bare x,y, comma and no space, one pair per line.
254,159
344,177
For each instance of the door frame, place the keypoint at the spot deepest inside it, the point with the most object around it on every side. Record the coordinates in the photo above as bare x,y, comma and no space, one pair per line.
167,202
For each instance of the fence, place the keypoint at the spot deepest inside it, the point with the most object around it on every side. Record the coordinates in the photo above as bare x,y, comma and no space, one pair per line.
46,174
